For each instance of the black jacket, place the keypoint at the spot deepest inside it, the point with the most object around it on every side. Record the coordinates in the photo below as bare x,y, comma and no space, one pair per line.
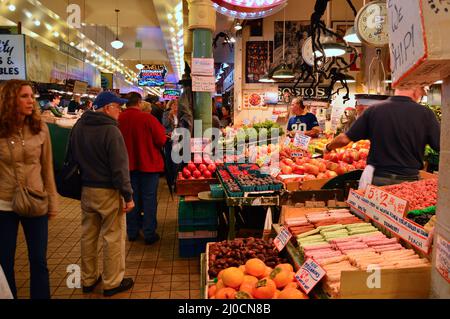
99,149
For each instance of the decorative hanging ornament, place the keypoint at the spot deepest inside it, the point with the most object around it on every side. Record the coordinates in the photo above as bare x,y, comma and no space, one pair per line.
250,9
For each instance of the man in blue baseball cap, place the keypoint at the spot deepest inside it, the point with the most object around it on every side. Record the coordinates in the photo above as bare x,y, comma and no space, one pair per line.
98,147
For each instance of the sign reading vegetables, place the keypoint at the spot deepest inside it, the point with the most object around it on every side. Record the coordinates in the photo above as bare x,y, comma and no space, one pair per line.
12,57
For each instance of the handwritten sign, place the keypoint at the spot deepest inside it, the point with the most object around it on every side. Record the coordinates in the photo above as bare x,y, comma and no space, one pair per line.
301,140
203,66
287,141
203,84
12,57
274,117
386,200
407,43
443,257
275,171
282,239
397,225
309,275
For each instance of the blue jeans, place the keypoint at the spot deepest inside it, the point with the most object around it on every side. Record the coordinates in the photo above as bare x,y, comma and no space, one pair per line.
36,235
145,195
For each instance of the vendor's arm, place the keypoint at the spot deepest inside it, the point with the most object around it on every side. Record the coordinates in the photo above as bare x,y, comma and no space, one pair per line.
314,132
358,131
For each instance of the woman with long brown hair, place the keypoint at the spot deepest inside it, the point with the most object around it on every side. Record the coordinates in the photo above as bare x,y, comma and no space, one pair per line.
26,159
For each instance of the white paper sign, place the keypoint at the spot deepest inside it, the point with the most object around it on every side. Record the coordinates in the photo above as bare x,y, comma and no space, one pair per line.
203,84
287,141
274,171
203,66
274,117
309,275
406,36
391,203
443,257
12,57
282,239
301,140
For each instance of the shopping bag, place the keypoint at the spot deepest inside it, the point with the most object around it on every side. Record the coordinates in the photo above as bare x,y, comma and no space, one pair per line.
5,291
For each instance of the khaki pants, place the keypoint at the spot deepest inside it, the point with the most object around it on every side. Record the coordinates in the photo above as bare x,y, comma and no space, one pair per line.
102,213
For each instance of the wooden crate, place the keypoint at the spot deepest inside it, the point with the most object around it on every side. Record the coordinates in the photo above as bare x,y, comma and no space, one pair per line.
191,187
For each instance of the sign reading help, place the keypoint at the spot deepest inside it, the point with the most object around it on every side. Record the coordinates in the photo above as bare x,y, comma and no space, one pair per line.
282,239
309,275
386,200
301,140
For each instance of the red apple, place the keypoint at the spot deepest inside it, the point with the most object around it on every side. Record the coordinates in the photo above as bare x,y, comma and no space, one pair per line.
207,174
322,167
311,169
309,177
202,167
341,170
212,168
191,177
363,153
191,166
322,176
186,172
201,177
196,174
288,161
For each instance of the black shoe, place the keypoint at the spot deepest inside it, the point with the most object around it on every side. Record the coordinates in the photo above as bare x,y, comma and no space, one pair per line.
88,289
152,240
125,285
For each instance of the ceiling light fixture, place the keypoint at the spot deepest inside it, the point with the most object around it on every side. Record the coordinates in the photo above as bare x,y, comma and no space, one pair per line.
37,22
351,36
140,66
117,44
56,34
331,48
11,7
283,72
28,14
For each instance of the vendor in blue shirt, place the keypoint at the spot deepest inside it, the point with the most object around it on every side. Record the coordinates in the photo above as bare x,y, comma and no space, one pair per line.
302,120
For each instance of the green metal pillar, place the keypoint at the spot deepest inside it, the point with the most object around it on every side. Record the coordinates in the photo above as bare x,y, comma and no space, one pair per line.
202,23
202,100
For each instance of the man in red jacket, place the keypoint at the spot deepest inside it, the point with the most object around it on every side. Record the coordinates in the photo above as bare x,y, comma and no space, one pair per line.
144,137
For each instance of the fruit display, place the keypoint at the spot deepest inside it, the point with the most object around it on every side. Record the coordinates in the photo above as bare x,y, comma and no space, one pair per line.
420,194
354,154
254,279
203,170
240,178
234,253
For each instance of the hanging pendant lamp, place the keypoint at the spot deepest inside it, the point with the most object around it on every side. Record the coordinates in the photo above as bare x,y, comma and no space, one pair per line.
117,44
351,36
140,66
283,72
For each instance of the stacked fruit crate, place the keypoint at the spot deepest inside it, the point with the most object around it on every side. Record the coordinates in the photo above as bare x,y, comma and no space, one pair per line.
197,225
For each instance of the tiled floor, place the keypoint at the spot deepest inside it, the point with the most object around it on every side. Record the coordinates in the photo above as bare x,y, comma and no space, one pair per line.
158,270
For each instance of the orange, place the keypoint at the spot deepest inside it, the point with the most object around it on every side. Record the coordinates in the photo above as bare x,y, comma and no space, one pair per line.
255,267
281,277
287,267
226,293
291,285
233,277
292,293
267,272
220,284
243,295
212,291
264,289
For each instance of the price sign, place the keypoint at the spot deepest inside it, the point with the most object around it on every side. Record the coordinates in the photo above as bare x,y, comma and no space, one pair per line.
301,140
287,141
203,84
274,117
386,200
309,275
246,121
197,144
275,171
296,154
203,66
282,239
